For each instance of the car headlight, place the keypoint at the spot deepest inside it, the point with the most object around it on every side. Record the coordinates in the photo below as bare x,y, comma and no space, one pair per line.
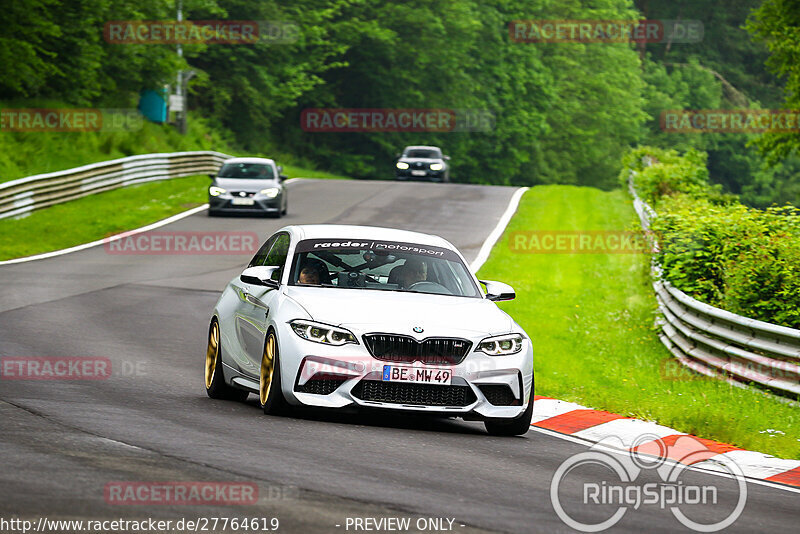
402,165
322,333
215,191
501,345
271,192
437,166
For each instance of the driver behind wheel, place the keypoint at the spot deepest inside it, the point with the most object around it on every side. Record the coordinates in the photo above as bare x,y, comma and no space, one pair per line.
313,273
413,271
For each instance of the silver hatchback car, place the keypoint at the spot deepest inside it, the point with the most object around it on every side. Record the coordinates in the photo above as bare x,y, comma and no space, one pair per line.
248,185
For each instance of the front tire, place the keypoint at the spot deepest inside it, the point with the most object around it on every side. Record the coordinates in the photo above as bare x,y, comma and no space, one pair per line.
269,385
511,427
216,388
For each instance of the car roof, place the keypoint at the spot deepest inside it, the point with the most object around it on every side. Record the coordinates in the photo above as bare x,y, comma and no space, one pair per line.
421,147
346,231
266,161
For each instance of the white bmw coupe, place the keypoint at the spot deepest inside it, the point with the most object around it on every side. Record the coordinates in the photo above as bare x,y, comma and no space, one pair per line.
353,316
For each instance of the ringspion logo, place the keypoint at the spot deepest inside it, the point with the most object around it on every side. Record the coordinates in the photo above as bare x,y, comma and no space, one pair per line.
620,476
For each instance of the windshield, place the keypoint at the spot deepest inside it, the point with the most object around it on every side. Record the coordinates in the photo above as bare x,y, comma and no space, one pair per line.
423,153
381,265
258,171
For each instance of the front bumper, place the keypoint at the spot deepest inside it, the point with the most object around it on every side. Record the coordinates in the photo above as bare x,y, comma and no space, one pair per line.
261,204
348,376
435,176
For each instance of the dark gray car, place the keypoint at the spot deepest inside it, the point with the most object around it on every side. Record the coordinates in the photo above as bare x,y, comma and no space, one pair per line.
422,163
248,185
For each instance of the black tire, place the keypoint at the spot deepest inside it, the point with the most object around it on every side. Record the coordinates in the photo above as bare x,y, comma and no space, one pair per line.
511,427
216,388
272,401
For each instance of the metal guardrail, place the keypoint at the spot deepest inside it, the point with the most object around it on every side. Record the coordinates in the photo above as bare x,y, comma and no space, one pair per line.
19,197
718,343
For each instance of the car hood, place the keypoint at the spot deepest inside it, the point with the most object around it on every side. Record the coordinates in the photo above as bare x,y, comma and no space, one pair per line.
244,184
399,312
422,160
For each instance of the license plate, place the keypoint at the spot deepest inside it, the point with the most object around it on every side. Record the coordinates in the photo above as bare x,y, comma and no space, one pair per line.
243,201
421,375
418,173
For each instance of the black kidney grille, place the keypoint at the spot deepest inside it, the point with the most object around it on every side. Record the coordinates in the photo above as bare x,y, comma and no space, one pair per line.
434,350
417,394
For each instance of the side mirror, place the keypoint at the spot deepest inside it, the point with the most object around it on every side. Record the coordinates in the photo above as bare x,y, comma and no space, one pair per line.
446,158
497,291
282,177
262,276
398,155
280,169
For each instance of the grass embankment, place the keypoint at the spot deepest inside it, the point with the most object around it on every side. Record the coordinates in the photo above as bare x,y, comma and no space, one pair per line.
28,153
591,320
94,217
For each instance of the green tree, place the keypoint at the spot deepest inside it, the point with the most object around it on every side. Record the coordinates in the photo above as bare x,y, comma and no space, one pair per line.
777,24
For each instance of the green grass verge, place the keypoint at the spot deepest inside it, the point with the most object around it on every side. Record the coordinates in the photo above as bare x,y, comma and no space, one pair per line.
591,320
94,217
28,153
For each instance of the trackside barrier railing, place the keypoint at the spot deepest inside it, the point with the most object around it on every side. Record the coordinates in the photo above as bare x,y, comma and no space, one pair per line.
19,197
718,343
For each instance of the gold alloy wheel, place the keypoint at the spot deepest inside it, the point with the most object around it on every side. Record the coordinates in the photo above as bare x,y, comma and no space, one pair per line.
212,353
267,368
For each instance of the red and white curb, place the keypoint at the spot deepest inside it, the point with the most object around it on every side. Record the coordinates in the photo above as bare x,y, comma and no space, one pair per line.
595,425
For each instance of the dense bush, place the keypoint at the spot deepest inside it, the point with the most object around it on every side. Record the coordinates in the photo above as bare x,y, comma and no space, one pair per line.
668,174
741,259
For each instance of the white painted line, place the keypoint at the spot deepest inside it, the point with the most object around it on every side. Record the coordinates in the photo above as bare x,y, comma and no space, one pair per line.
77,248
626,430
547,408
486,249
753,464
159,224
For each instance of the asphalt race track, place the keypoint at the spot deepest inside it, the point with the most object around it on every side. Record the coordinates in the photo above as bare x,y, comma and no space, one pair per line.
63,441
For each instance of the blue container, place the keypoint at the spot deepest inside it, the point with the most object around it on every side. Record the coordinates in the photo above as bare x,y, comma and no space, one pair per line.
153,105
